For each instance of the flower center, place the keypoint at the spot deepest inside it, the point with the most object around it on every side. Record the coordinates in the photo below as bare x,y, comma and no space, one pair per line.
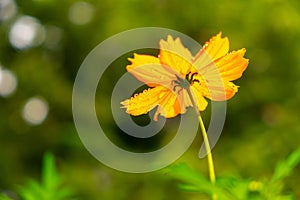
185,83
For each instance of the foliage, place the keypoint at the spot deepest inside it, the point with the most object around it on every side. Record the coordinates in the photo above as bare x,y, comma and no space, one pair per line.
262,120
232,187
50,188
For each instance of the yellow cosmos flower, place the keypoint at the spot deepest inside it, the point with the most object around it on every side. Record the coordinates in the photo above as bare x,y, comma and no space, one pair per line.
176,75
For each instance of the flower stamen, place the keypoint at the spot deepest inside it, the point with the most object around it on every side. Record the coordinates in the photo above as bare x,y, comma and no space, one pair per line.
190,77
184,83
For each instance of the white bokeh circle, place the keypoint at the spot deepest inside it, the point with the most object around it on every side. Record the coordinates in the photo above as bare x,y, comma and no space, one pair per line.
86,121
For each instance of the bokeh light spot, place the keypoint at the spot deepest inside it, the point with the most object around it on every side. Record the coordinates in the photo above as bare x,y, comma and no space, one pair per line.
8,9
35,111
8,82
26,32
81,13
53,37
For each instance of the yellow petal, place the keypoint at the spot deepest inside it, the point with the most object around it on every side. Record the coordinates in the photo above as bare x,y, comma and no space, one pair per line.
175,55
184,100
167,101
215,48
232,65
149,70
217,68
198,96
168,106
139,60
230,89
217,91
217,75
143,102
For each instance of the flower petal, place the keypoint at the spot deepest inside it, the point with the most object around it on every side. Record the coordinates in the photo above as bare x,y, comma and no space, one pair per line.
149,70
232,65
167,101
169,105
216,90
198,96
184,100
175,55
215,48
230,89
217,68
143,102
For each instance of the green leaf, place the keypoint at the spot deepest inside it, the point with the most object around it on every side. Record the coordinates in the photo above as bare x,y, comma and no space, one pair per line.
51,186
192,180
32,191
183,172
285,167
228,188
50,178
234,187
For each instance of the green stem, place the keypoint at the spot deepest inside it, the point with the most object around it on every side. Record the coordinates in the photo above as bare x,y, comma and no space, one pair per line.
210,161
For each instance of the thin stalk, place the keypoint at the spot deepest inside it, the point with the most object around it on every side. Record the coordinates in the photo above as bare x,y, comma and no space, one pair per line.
210,161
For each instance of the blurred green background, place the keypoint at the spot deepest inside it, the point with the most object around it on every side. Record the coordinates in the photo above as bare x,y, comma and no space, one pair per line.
43,43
